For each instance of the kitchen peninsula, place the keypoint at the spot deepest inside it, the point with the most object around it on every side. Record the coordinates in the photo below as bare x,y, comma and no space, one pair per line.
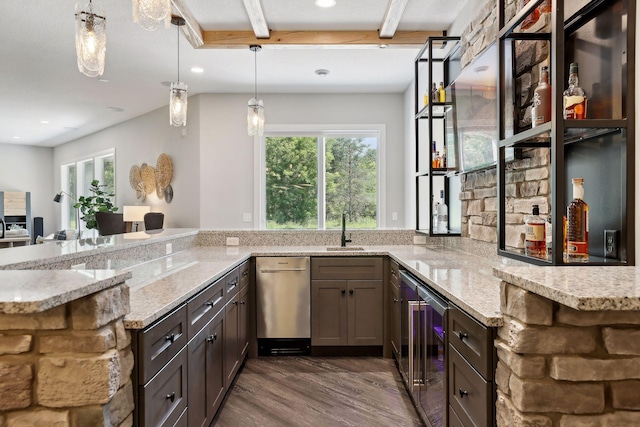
567,337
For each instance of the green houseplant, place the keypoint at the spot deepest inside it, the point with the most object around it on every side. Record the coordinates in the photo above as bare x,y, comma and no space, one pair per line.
100,201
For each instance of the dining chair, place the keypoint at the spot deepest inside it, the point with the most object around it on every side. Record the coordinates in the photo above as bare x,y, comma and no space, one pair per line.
110,223
153,220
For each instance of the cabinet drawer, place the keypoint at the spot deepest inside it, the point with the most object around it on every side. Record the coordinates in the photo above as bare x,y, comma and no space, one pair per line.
346,268
231,284
204,306
244,271
158,344
182,421
164,399
472,340
469,393
454,420
394,273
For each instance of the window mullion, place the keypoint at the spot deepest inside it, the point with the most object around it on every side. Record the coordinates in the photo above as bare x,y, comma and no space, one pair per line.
321,183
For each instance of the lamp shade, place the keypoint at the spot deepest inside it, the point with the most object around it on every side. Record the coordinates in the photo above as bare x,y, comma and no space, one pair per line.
150,14
135,213
255,117
91,39
178,104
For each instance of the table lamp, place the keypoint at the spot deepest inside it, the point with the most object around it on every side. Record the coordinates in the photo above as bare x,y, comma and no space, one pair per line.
58,199
135,213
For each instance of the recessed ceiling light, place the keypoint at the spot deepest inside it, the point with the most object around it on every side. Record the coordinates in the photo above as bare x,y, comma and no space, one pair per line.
115,109
197,70
70,128
44,122
325,3
481,68
16,137
103,80
383,46
321,72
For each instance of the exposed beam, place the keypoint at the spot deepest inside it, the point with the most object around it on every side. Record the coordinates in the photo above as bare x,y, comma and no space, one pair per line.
328,39
256,16
191,30
392,18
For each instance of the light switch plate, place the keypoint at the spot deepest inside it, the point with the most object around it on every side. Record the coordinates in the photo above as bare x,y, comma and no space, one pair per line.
233,241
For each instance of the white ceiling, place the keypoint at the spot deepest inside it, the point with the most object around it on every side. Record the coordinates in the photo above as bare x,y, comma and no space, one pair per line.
39,79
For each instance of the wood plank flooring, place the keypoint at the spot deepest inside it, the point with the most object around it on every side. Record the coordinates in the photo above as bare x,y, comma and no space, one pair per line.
318,391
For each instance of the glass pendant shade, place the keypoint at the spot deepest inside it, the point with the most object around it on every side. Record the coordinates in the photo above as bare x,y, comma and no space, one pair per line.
91,39
178,104
255,117
149,14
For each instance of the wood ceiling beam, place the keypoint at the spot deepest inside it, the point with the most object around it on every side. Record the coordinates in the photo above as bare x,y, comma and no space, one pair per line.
191,30
392,18
328,39
256,16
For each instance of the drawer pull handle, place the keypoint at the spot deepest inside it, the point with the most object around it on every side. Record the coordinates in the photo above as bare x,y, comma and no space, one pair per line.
235,303
245,273
350,291
462,335
243,302
233,283
395,300
463,393
171,396
343,292
171,338
212,338
209,303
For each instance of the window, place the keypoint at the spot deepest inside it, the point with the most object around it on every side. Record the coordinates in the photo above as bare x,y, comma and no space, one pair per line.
311,178
76,179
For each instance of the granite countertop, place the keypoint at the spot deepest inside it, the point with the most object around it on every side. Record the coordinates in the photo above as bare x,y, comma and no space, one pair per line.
35,291
159,286
32,256
585,288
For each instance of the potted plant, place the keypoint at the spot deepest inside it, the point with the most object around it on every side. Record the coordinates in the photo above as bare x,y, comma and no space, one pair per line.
100,201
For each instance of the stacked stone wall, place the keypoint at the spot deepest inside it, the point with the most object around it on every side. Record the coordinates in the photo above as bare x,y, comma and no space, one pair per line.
69,366
528,178
567,368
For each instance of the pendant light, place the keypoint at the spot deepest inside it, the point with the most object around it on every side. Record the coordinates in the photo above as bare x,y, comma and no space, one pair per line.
178,92
149,14
255,115
91,39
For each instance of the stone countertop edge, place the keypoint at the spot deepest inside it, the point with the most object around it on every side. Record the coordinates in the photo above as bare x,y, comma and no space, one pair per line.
585,288
32,290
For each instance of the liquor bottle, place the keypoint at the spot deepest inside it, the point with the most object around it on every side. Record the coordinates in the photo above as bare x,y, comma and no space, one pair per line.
578,225
443,215
434,155
434,215
442,97
443,158
541,110
574,99
531,19
435,96
535,239
427,97
548,231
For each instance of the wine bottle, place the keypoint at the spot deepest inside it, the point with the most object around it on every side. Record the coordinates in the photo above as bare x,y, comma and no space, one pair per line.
541,110
535,239
574,99
578,225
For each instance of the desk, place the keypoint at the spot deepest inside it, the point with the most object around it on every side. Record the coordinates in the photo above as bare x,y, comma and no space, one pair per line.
8,242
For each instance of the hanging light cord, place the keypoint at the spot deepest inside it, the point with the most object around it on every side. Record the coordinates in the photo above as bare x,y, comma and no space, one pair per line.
255,74
178,28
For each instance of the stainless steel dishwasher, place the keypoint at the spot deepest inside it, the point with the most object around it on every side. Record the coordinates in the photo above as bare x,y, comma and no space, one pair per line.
283,294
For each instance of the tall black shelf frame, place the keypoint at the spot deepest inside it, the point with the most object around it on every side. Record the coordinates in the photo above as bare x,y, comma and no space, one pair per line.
559,133
432,111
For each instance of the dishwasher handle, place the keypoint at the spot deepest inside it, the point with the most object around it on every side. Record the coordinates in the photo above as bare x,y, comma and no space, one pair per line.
278,270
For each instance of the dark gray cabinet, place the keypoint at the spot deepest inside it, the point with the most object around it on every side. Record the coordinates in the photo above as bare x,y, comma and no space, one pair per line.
347,301
231,359
394,321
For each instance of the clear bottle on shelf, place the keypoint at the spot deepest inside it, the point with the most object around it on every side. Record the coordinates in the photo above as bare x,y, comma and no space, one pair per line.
435,96
577,225
535,238
443,215
574,99
434,214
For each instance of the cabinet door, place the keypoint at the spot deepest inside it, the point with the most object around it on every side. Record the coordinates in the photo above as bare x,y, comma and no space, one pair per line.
197,380
394,322
215,365
328,312
243,337
365,310
231,339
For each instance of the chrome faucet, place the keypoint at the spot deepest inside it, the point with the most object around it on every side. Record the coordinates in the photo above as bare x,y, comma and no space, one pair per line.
344,240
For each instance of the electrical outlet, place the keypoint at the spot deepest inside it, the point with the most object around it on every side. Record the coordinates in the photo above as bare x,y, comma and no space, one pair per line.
419,240
611,244
233,241
246,217
394,216
169,249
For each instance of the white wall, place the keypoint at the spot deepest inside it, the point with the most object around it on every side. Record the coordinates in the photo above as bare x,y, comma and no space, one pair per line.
142,140
227,163
27,168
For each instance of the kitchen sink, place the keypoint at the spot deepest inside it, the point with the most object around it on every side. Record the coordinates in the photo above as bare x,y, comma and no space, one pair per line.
345,248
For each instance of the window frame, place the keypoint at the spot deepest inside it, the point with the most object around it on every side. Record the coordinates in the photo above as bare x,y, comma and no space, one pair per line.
97,159
318,131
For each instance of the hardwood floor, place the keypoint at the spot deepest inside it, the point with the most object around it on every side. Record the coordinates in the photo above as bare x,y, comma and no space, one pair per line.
318,391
